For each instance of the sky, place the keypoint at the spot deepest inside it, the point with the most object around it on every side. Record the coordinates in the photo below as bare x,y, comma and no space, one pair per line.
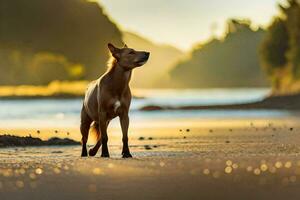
185,23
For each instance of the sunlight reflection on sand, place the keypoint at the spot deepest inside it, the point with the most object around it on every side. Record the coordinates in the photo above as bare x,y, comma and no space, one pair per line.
260,152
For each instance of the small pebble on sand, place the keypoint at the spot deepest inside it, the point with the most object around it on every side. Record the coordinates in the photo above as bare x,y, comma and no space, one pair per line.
270,124
150,138
188,130
56,152
141,138
38,131
291,129
227,142
147,147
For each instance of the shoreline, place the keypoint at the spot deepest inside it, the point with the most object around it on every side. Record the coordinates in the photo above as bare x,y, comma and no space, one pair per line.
40,97
286,102
52,97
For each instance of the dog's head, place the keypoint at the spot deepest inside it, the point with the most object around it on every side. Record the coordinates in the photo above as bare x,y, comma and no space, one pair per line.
129,58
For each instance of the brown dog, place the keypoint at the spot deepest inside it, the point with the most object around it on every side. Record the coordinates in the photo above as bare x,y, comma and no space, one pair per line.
110,97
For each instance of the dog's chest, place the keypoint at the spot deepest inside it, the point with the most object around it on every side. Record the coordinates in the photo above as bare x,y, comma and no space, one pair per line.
116,105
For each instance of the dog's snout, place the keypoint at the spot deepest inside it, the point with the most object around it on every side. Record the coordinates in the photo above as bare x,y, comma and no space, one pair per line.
147,55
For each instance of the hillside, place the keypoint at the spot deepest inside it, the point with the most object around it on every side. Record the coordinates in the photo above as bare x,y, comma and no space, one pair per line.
230,62
162,58
46,40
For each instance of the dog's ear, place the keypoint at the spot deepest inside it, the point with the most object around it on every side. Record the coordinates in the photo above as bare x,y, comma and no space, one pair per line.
114,50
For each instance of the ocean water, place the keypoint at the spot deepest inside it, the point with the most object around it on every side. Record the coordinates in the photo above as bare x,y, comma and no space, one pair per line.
66,113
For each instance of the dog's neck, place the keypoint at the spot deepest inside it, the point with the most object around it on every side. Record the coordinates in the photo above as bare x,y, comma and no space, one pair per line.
119,76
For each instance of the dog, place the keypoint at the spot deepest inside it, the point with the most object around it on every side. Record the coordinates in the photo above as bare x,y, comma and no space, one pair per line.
110,97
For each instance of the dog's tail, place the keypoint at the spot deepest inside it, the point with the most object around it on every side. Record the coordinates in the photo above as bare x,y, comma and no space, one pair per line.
95,131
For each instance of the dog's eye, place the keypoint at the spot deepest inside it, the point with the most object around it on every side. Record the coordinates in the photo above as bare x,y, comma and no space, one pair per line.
131,52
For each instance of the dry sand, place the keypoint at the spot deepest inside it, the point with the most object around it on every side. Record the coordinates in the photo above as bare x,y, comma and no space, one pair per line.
251,160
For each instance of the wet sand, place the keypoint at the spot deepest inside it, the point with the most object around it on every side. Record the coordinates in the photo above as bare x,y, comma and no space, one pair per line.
225,160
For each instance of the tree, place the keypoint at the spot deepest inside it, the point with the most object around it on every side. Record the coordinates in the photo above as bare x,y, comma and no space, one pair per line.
275,46
292,14
46,67
280,50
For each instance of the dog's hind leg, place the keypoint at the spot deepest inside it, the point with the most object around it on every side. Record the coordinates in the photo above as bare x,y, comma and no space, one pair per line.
94,150
86,122
103,123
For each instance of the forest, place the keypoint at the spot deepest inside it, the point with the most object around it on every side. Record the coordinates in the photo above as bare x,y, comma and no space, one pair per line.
280,49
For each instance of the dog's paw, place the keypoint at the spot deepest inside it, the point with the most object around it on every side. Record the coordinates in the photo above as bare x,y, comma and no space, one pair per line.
92,153
84,154
105,155
127,155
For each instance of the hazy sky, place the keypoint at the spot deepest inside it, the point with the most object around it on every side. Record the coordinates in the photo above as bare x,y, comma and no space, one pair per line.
184,23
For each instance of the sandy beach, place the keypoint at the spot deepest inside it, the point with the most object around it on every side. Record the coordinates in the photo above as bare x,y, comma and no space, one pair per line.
229,159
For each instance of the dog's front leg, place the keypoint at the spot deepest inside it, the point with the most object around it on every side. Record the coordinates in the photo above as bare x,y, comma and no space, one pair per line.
103,128
124,121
